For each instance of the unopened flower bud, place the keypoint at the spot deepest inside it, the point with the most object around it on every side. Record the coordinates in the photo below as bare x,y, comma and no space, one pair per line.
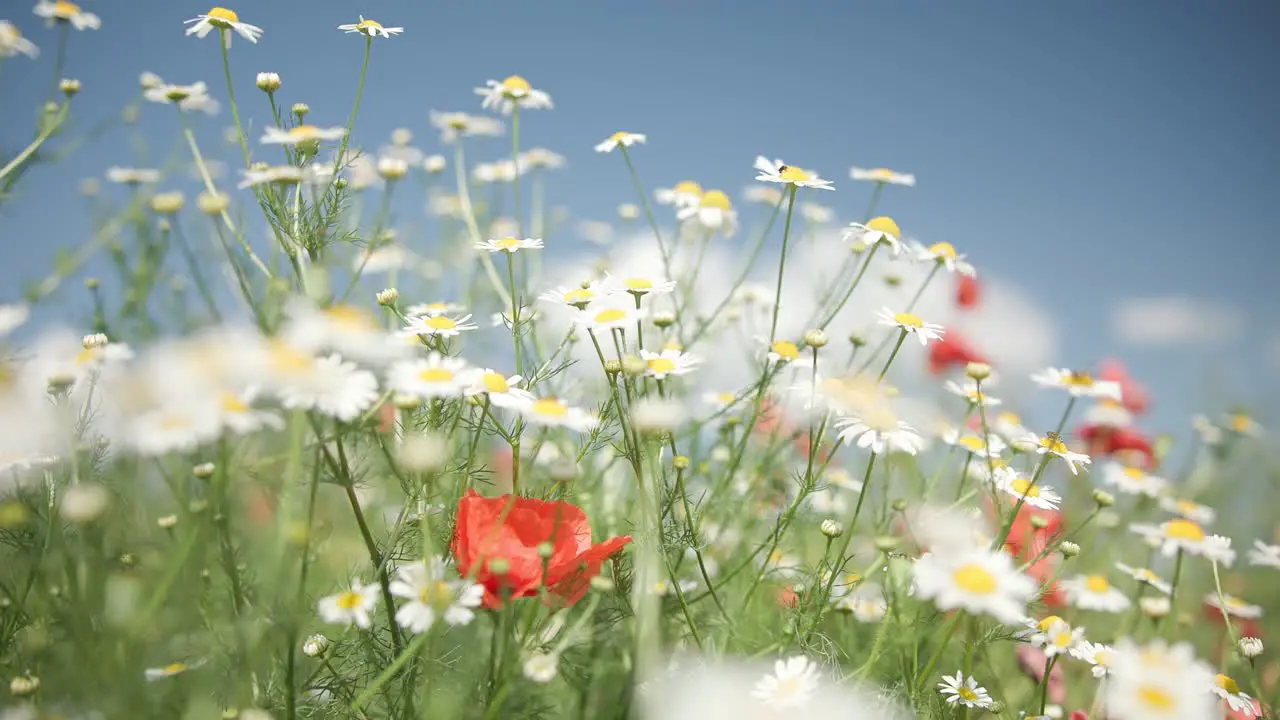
94,340
886,543
268,82
633,365
680,462
388,297
831,529
69,87
815,338
300,109
892,280
628,211
996,707
1039,522
857,340
315,646
212,203
899,505
545,550
1250,647
166,522
204,470
1068,549
167,203
24,685
664,320
977,371
499,566
1104,498
434,164
60,382
392,169
613,367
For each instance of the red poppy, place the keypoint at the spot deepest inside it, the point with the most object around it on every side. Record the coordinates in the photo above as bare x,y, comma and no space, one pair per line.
1134,396
1079,715
951,351
968,292
787,597
1113,441
511,529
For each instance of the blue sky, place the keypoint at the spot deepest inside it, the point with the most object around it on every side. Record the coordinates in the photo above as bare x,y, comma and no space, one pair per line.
1090,152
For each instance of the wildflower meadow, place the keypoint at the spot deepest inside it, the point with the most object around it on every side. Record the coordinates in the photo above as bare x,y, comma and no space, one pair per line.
291,460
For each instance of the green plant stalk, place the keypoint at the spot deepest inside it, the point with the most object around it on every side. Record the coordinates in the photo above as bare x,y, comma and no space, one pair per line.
782,264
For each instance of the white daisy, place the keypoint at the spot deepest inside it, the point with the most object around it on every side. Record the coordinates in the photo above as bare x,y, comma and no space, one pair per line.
877,230
222,19
1242,423
960,690
171,428
783,351
501,390
238,416
194,97
817,214
436,376
1145,576
1056,637
778,172
350,331
553,412
943,254
790,685
578,296
178,668
351,606
992,447
911,324
432,309
1227,689
720,400
278,175
1202,514
430,597
883,176
12,43
1037,496
623,138
1079,384
441,325
333,387
1098,655
1133,480
513,91
668,362
865,601
541,159
68,12
608,316
509,245
1108,413
302,134
1182,535
972,392
133,176
1052,444
1095,592
637,285
683,194
541,667
764,195
1158,682
1234,606
453,125
371,28
713,212
870,433
975,579
1265,555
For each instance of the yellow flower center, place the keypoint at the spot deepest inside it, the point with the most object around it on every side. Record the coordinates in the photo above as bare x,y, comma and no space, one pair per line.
975,579
610,315
1134,473
1097,584
1226,683
349,600
1147,575
908,320
549,407
1156,698
883,173
966,694
786,350
436,375
516,85
794,174
726,397
1048,622
440,322
579,296
174,668
1102,657
942,250
233,404
86,356
619,136
1062,639
972,443
351,318
662,365
1186,507
508,243
1241,423
1009,418
885,225
64,10
436,307
494,382
1053,444
219,13
368,25
639,284
286,359
437,593
1025,488
303,132
687,187
1078,379
716,199
1183,530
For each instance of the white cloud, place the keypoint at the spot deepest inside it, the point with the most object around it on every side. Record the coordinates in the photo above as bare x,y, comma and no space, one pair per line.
1174,320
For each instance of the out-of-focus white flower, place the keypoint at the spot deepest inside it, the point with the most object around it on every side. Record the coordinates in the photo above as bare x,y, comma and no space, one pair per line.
790,685
977,580
430,597
1159,682
911,324
512,92
623,138
1095,592
883,176
68,12
453,125
1078,384
12,43
352,606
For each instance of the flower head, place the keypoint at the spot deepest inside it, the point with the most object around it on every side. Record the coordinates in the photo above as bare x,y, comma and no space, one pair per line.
431,597
1158,682
67,12
778,172
623,138
1095,592
790,684
371,29
1077,383
975,579
668,362
944,255
222,20
883,176
441,325
553,412
961,690
513,92
876,231
352,606
911,324
12,43
509,245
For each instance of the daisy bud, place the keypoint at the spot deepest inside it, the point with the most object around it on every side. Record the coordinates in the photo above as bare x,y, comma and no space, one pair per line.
315,646
69,87
1155,607
204,471
401,137
167,522
899,505
996,707
212,203
1103,498
628,211
857,340
886,543
89,187
1039,522
268,82
541,667
392,169
434,164
977,371
300,109
815,338
613,367
1068,549
680,462
167,203
84,503
340,183
664,320
545,550
388,297
499,566
602,583
1250,647
633,365
94,340
23,686
423,453
831,529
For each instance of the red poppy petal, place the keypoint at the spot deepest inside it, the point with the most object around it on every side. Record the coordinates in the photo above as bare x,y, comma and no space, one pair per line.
570,580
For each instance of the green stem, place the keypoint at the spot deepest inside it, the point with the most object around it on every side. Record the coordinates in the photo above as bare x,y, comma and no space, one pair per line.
648,210
782,263
231,93
515,163
403,657
923,677
902,336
